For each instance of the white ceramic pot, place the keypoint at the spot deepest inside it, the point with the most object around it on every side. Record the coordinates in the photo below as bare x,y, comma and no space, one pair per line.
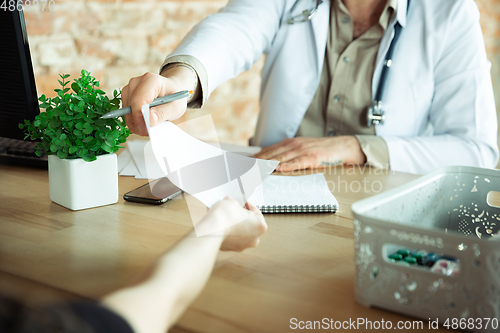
76,184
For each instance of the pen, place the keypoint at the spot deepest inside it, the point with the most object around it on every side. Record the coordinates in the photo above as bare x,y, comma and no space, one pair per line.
155,102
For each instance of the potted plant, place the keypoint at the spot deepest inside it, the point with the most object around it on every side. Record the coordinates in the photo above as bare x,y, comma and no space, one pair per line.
81,146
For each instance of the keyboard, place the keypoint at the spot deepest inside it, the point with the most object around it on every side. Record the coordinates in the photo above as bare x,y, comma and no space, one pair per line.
19,152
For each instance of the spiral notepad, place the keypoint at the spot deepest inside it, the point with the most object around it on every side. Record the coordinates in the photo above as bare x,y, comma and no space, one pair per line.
301,194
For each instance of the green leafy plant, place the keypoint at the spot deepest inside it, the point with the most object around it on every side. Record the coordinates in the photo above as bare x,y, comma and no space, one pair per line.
71,126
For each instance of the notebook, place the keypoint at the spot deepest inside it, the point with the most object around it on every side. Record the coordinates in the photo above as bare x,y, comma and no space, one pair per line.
300,194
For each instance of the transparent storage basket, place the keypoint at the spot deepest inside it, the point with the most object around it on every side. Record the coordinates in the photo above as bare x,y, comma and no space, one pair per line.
445,212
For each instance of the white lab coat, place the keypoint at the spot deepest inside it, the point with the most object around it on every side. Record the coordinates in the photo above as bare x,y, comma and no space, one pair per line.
438,100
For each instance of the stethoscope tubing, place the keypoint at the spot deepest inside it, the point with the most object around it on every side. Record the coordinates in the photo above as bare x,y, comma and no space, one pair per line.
388,57
388,60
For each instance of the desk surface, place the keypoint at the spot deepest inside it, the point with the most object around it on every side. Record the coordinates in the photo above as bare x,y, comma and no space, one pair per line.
303,267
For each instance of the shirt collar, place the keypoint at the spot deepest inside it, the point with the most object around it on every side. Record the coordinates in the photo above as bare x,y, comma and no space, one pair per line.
388,12
401,8
397,6
393,4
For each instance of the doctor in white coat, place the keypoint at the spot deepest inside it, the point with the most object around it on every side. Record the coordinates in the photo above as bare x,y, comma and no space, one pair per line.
438,106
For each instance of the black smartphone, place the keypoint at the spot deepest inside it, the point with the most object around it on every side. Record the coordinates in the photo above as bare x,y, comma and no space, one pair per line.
156,192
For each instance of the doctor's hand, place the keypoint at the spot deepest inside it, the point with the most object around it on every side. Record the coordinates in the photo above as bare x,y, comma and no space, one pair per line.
313,153
144,89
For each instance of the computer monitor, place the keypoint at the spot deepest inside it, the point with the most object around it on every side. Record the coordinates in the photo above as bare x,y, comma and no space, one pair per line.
18,96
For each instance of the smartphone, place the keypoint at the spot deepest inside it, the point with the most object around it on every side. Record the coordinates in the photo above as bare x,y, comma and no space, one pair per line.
156,192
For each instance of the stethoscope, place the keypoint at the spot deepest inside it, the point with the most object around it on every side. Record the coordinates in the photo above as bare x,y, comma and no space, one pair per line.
375,114
305,15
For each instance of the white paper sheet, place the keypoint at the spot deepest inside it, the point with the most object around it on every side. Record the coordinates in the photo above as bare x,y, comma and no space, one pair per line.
123,159
133,161
206,172
130,170
142,164
251,150
136,149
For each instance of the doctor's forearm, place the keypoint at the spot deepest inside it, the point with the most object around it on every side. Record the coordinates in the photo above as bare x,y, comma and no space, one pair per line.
421,155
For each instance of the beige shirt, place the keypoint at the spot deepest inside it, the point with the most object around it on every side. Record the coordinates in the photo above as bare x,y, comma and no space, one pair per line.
344,93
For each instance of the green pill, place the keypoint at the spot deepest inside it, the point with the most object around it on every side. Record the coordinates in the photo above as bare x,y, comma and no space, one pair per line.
403,252
396,256
418,256
411,260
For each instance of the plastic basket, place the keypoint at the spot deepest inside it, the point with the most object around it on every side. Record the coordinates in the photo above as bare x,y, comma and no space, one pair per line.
444,212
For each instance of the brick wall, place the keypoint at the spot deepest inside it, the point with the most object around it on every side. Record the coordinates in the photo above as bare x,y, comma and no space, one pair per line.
119,39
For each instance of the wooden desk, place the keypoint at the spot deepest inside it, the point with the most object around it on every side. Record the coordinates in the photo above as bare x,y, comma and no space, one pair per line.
303,267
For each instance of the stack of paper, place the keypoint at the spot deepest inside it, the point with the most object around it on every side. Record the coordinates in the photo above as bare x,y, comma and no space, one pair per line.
131,160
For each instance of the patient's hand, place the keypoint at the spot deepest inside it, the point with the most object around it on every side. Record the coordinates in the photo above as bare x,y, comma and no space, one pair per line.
241,235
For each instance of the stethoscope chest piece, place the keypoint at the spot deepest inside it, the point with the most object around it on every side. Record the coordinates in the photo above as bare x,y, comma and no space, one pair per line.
375,115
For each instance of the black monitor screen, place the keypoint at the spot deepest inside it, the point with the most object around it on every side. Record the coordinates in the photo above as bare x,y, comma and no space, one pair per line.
18,97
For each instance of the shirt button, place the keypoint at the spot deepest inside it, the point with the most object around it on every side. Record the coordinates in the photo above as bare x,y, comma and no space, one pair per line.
336,98
345,20
347,59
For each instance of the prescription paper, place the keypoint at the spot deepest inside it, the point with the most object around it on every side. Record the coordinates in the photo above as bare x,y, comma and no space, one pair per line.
205,171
